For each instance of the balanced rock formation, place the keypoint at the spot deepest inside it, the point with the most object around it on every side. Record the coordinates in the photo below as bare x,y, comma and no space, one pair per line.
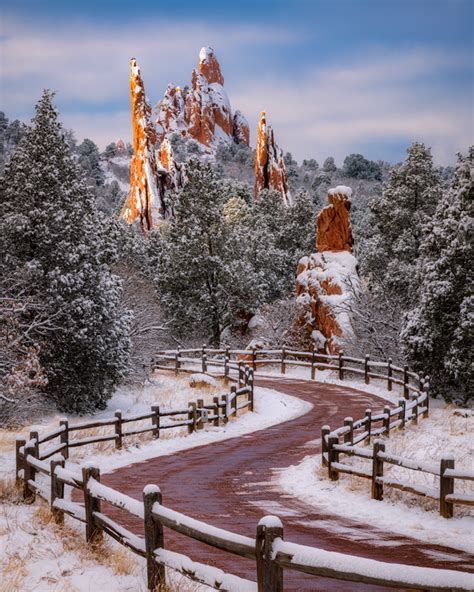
270,170
326,280
203,112
145,201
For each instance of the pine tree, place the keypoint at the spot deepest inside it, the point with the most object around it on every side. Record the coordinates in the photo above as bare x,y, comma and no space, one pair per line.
438,331
408,202
89,159
51,233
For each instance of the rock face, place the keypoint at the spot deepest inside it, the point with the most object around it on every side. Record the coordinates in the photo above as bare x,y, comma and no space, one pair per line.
270,170
145,201
203,112
326,280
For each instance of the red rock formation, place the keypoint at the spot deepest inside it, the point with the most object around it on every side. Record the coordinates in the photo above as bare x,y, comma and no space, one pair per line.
326,279
202,112
120,146
333,222
270,170
145,202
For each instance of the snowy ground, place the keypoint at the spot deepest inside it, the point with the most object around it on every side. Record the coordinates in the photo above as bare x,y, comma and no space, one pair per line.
38,556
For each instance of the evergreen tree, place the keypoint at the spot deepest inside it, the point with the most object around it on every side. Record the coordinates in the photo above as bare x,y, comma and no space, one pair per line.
89,159
298,233
408,202
438,331
329,166
51,233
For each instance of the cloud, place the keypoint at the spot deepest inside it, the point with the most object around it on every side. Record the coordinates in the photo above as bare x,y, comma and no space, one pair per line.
363,104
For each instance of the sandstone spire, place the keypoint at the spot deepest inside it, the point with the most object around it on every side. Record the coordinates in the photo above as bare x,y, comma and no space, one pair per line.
270,170
327,279
145,202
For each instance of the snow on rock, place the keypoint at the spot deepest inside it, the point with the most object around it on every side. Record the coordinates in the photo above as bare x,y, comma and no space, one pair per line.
270,170
202,380
326,280
203,112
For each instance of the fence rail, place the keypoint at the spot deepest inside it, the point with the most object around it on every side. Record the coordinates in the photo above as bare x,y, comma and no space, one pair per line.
272,555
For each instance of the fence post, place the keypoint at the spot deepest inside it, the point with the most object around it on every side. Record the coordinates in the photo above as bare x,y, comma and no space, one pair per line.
225,400
65,438
155,421
341,371
426,389
368,424
34,452
406,379
226,367
389,374
333,457
57,490
154,538
446,486
251,393
313,363
349,437
176,363
325,431
29,494
204,363
191,417
233,403
91,504
377,470
254,358
215,400
19,459
414,398
283,355
241,373
199,407
269,573
401,415
386,420
366,370
118,430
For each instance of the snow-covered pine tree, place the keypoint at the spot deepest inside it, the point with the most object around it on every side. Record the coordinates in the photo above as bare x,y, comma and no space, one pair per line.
398,216
51,232
438,331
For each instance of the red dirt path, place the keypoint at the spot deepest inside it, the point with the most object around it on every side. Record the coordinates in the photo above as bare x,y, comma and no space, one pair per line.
228,484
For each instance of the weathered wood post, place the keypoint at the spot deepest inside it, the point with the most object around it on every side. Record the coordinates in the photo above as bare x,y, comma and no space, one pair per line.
29,494
215,400
414,411
406,381
349,437
57,489
386,420
19,460
34,439
154,538
269,573
233,402
377,470
176,363
91,503
325,431
254,358
241,374
225,400
401,416
251,393
313,363
199,408
389,374
283,365
118,430
155,421
426,389
204,363
341,367
366,369
64,438
191,417
226,368
368,424
446,486
333,457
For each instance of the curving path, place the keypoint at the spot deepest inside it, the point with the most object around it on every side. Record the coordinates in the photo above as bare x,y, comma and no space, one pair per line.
228,484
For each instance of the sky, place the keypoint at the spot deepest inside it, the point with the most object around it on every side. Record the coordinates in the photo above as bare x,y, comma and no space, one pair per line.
335,77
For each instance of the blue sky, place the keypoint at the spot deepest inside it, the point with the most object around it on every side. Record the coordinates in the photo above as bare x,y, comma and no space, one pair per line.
335,76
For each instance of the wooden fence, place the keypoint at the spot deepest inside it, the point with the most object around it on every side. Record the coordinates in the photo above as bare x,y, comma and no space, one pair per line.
272,554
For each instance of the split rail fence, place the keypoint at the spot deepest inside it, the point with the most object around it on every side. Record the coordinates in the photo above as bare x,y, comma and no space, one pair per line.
45,474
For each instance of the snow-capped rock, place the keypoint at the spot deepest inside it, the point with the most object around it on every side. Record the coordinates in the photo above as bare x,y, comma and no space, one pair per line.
270,170
326,280
203,112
